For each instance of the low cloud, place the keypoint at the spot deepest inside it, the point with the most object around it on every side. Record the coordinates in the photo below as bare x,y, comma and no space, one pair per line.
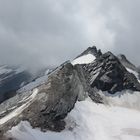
48,32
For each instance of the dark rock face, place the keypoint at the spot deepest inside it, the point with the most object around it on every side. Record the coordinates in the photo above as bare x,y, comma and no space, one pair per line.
92,50
54,100
138,70
83,87
108,74
126,62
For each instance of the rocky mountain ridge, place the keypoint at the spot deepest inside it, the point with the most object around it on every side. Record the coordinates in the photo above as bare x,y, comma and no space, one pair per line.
108,74
46,105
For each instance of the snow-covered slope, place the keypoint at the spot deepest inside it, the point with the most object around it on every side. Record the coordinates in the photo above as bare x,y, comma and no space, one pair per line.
127,98
88,121
85,59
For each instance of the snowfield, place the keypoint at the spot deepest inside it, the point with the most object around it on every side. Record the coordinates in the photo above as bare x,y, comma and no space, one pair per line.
126,98
89,121
85,59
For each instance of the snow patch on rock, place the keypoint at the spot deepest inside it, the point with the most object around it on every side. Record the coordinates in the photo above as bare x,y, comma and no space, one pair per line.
85,59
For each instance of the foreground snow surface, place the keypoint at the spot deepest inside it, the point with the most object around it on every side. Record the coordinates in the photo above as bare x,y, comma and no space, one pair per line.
85,59
89,121
18,110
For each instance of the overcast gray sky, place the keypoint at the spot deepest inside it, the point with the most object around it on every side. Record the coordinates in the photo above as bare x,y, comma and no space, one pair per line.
48,32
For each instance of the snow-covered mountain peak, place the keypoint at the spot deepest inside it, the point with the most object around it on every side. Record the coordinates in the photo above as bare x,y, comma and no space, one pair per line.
82,99
88,56
92,50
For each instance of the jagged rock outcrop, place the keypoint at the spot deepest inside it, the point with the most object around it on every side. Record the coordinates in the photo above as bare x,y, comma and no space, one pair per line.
126,63
91,50
47,107
108,74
